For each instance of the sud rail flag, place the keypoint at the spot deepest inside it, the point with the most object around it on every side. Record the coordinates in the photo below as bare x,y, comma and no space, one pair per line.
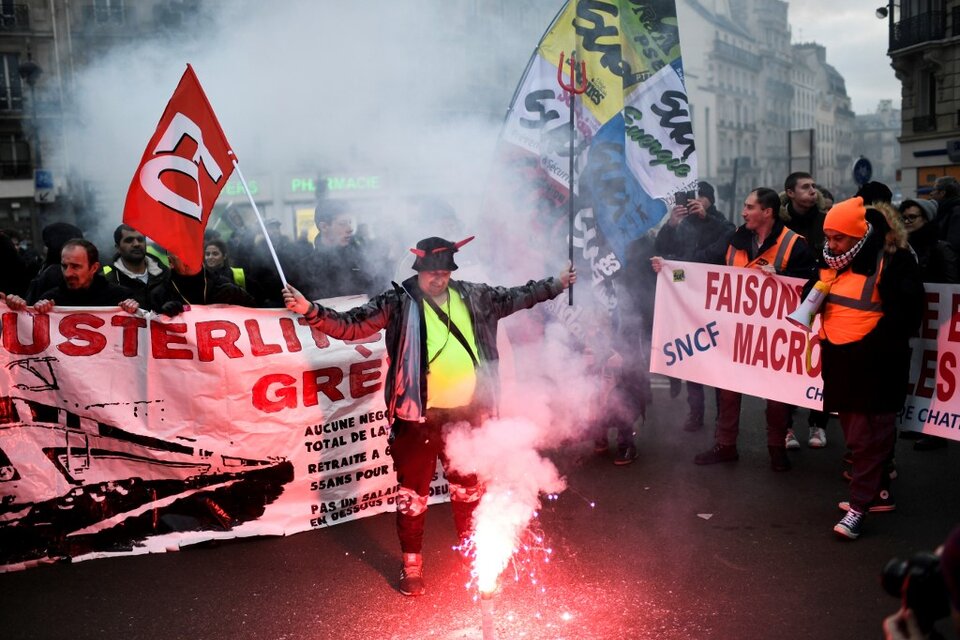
186,164
633,149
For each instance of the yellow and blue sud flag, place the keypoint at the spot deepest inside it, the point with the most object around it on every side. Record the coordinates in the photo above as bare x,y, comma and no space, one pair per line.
634,147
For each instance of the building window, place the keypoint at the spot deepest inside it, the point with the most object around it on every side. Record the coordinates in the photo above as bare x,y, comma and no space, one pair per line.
11,91
14,154
925,118
108,11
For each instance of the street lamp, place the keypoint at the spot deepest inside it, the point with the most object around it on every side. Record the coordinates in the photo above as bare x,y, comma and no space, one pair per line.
29,72
887,11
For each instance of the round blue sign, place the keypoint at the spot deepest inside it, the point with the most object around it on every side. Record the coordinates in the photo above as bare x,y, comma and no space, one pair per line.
862,171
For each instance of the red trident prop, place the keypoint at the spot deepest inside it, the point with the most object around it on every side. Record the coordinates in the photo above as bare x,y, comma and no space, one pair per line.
573,88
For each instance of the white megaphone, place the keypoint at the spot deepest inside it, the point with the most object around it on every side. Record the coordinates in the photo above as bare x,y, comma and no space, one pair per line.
803,315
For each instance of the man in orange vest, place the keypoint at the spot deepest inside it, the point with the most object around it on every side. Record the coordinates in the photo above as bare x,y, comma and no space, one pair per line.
874,305
763,243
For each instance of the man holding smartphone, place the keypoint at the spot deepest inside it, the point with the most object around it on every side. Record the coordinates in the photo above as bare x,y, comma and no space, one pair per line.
695,232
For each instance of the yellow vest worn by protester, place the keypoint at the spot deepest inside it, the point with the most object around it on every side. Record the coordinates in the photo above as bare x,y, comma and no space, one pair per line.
777,254
451,376
852,308
239,277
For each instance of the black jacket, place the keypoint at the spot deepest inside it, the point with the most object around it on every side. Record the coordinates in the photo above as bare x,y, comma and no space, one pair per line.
937,259
332,272
400,311
696,239
199,288
157,274
871,375
948,222
49,277
809,224
100,293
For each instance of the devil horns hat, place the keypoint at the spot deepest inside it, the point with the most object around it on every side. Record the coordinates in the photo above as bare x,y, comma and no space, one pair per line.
436,254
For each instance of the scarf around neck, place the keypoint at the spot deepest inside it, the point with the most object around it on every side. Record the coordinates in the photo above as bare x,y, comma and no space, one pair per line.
843,261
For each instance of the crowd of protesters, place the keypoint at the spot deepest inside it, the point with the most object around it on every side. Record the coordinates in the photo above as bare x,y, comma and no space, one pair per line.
238,269
876,257
783,233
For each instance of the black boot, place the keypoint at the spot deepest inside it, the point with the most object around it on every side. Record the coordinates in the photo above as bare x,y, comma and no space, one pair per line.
675,386
778,458
719,453
694,422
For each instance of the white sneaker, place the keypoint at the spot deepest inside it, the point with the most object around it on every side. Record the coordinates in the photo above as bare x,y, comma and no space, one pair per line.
818,438
791,440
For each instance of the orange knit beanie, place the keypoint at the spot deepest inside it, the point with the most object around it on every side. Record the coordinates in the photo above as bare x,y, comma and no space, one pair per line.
847,217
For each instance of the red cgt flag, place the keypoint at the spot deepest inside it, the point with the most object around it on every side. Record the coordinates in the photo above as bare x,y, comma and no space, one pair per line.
186,164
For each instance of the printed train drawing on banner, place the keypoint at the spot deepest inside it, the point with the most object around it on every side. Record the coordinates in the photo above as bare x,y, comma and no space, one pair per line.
70,484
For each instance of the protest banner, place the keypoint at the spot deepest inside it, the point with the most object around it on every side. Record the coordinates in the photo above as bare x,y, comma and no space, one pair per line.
726,327
121,434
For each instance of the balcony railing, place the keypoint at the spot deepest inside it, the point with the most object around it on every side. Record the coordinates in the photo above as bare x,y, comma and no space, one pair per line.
15,17
733,53
924,123
922,28
102,14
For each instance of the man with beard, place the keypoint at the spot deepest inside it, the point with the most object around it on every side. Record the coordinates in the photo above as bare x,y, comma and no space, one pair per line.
874,306
55,235
441,340
83,286
132,268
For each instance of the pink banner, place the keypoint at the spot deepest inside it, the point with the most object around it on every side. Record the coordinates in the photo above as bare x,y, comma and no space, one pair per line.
129,434
726,327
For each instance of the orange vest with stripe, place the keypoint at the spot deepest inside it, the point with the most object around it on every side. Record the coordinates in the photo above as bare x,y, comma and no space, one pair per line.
852,308
777,254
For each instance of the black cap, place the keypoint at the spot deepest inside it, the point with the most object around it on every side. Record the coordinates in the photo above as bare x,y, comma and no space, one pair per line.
706,190
875,192
55,235
436,254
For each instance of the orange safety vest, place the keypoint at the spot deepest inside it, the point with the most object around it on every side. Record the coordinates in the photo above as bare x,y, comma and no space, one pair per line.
852,308
778,254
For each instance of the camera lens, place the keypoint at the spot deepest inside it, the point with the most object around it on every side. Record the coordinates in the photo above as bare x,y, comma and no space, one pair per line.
892,576
918,580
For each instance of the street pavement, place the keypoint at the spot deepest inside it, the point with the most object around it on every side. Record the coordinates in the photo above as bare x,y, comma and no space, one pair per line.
659,549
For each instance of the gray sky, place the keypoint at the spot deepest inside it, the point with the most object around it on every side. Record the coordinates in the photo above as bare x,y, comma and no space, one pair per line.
856,42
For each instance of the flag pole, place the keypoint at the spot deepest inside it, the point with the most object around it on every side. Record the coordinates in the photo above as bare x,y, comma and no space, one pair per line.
573,89
263,226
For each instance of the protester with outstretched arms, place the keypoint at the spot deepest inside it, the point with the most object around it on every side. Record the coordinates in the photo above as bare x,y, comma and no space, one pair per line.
441,341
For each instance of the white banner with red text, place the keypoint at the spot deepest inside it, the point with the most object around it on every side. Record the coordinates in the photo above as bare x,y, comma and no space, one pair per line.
726,327
121,434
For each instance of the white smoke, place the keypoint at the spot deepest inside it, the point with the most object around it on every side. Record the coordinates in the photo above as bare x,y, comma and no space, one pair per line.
416,91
